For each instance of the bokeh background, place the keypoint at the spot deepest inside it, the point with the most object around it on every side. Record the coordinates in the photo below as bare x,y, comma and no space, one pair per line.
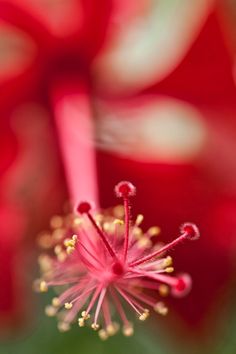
94,92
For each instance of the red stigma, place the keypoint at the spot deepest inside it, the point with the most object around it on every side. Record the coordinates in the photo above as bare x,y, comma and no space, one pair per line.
182,286
191,231
84,207
125,189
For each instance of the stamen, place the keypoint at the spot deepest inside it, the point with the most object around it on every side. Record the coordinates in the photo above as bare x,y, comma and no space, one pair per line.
134,303
92,302
70,250
112,328
63,326
118,222
163,290
95,326
146,299
103,334
144,315
57,249
50,311
86,316
81,322
161,308
100,301
188,231
106,312
128,330
68,305
55,302
169,269
167,261
56,222
139,219
167,279
153,231
120,309
43,287
127,298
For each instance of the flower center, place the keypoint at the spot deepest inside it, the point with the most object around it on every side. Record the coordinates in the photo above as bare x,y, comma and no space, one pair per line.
117,268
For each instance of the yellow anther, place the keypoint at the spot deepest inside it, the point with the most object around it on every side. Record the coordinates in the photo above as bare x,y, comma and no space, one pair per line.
43,287
36,285
68,220
68,305
50,311
109,227
128,330
161,308
144,315
76,222
85,315
55,302
44,263
61,256
169,269
70,250
112,328
45,240
139,219
81,322
137,232
103,334
99,218
167,261
56,222
118,222
154,231
58,234
75,238
95,326
106,226
63,326
70,242
67,242
57,249
144,242
119,211
163,290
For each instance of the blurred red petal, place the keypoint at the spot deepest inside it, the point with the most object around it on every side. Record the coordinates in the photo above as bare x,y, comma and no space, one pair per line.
159,38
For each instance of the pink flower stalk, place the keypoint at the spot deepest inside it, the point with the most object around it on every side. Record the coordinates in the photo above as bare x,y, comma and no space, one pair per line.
104,261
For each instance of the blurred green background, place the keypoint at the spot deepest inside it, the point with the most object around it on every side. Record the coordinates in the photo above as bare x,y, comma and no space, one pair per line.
149,338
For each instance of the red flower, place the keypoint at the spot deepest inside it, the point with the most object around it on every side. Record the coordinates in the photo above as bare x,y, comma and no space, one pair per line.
64,71
179,135
107,264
